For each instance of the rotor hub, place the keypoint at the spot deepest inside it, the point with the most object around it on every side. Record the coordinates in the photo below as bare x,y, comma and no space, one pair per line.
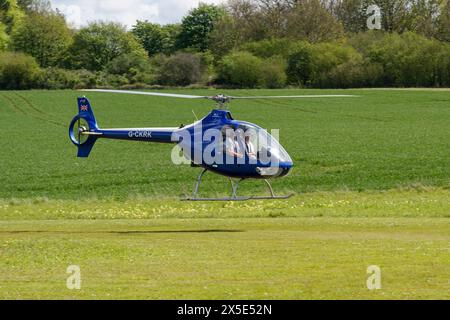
221,99
77,130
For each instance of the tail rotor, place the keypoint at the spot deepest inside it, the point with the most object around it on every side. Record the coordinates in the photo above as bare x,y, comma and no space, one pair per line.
83,128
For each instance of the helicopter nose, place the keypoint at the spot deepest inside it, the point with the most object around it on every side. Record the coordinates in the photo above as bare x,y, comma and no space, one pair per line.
285,169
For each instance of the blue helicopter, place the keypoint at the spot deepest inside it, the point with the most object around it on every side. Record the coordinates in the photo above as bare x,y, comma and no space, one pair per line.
217,143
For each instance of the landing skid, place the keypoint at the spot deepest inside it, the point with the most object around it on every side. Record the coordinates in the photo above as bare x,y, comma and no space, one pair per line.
217,199
234,196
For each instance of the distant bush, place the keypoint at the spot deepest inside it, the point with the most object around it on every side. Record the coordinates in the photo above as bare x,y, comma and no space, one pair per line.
332,65
136,68
181,69
208,67
55,78
299,66
87,79
355,73
412,60
326,56
18,71
269,47
241,69
274,73
114,80
364,41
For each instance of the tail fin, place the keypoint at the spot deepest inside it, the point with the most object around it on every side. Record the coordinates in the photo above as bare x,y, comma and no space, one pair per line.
85,111
81,125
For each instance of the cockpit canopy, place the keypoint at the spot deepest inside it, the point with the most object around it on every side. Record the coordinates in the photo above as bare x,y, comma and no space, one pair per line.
257,142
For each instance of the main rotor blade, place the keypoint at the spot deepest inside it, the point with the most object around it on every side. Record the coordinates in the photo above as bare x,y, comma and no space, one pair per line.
156,94
297,97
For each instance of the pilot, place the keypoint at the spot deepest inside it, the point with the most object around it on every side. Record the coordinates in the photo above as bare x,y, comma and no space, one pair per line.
230,142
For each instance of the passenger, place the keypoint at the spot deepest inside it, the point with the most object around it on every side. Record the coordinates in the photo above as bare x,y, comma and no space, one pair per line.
249,147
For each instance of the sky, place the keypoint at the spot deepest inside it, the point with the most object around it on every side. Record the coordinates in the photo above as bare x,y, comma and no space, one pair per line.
80,12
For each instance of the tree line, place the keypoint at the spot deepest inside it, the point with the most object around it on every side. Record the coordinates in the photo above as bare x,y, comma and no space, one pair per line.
242,44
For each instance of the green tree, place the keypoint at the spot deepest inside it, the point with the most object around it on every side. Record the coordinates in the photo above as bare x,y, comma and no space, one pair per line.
99,43
35,5
352,14
197,27
396,15
156,38
45,36
443,32
4,39
150,35
248,23
273,16
10,14
224,36
256,20
309,20
172,32
423,17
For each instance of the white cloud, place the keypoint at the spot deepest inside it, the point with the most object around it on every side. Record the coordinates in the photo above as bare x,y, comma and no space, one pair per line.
80,12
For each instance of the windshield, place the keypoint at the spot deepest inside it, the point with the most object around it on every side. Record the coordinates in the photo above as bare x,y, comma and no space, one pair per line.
258,143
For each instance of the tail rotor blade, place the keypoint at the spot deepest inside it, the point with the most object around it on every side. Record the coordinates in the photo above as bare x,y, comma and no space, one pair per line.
79,130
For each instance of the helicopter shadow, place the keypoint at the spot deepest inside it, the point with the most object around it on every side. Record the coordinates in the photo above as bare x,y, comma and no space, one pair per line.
131,232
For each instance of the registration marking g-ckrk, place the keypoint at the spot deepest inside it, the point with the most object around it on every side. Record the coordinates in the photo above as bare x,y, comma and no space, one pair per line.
140,134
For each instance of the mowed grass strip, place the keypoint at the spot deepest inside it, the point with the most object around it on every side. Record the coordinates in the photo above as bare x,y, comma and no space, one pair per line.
292,258
411,203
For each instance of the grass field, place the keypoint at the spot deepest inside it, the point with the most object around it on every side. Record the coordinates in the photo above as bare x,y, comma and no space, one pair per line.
372,180
226,258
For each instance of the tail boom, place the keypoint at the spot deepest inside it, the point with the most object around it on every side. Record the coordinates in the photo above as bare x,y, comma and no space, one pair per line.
84,131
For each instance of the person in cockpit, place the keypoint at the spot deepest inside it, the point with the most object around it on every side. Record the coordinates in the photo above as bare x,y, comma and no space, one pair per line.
250,147
231,144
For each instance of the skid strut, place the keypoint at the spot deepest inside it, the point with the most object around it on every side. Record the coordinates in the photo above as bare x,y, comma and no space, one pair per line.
234,190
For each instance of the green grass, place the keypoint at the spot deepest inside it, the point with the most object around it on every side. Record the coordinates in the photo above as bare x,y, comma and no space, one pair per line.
263,258
372,180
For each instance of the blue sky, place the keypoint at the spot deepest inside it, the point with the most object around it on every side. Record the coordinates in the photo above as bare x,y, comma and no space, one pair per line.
80,12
